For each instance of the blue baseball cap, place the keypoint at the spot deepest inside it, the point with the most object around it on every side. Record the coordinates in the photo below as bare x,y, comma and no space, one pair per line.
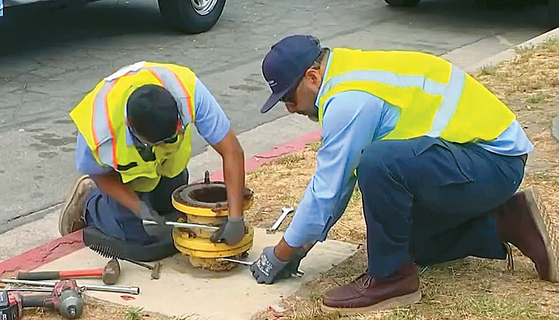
286,63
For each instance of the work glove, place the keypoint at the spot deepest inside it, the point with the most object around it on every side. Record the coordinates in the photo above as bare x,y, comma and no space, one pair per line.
293,266
230,232
267,267
147,213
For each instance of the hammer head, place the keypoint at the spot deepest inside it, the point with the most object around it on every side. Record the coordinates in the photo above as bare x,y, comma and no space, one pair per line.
155,270
111,272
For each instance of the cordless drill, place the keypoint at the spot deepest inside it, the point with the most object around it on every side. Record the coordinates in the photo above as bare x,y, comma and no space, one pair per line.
65,297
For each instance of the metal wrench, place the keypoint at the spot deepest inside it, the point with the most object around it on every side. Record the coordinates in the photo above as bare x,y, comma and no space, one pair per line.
182,225
92,287
297,274
285,211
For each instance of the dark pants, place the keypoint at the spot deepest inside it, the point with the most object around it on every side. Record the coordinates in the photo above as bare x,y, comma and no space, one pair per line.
114,219
431,199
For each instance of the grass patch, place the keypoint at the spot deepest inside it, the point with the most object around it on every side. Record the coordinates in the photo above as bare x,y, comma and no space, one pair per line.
401,314
488,70
525,50
537,98
490,307
314,146
290,160
502,75
551,44
133,313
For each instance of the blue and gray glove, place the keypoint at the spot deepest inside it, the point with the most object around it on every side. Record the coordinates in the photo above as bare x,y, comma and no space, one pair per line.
293,266
267,267
147,213
230,232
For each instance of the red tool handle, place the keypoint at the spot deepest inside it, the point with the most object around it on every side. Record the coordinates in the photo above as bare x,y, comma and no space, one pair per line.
51,275
82,273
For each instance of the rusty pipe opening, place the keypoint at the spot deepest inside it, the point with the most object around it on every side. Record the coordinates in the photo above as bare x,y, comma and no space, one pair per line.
210,194
206,195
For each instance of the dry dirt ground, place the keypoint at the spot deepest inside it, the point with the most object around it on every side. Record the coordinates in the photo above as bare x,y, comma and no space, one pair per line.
467,289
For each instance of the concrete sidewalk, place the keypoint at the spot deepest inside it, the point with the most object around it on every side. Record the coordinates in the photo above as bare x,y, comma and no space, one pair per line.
185,291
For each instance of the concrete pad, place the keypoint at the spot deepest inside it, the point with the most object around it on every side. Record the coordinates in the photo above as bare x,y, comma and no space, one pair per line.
185,291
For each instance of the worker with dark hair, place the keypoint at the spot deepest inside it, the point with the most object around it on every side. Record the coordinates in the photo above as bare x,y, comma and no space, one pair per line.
133,147
438,159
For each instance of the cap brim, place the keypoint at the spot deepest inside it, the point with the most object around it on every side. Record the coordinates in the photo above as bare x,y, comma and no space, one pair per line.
273,100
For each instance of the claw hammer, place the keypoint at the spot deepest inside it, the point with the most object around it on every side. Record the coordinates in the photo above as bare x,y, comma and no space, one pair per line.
109,274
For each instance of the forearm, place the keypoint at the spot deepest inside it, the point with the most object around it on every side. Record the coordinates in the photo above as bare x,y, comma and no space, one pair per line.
233,173
234,176
111,184
283,251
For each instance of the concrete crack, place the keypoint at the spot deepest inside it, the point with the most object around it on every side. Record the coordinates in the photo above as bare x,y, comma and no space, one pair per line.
33,212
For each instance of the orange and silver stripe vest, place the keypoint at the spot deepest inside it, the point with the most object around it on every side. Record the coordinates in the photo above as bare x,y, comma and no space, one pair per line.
101,118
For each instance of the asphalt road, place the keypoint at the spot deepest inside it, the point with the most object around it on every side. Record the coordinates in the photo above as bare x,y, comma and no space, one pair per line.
49,59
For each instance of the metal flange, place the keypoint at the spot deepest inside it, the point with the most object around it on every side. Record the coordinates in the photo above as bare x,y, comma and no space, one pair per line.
206,199
203,248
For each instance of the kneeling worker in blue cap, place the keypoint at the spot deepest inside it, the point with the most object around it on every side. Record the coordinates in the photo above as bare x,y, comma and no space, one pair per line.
437,157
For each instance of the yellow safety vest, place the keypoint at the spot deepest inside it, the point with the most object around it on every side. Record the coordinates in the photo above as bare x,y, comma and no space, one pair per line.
101,118
435,98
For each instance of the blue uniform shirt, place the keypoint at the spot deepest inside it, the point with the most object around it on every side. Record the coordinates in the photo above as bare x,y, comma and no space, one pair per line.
211,122
352,120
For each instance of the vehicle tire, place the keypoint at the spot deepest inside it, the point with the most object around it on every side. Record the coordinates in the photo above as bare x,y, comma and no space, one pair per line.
191,16
553,12
404,3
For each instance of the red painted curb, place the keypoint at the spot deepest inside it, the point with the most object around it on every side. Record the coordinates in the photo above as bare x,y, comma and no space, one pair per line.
60,247
258,160
43,254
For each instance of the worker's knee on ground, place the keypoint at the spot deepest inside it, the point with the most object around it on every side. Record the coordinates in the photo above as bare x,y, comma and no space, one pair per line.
160,246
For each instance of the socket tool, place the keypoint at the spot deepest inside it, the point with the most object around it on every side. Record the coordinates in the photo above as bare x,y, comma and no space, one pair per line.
298,274
182,225
108,252
109,274
83,287
285,211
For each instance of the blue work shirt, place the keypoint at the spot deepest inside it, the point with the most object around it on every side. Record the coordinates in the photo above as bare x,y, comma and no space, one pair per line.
211,122
352,120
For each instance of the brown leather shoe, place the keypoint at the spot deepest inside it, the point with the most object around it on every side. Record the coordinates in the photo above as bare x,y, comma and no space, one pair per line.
71,216
367,294
523,222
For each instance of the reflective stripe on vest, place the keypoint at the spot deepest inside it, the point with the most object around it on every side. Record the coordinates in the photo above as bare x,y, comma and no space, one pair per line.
102,126
435,98
171,82
450,102
391,78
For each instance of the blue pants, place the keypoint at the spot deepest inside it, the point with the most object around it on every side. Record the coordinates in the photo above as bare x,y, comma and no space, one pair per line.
428,201
114,219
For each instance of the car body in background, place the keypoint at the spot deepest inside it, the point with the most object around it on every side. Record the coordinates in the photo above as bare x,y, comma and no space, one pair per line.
553,7
189,16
